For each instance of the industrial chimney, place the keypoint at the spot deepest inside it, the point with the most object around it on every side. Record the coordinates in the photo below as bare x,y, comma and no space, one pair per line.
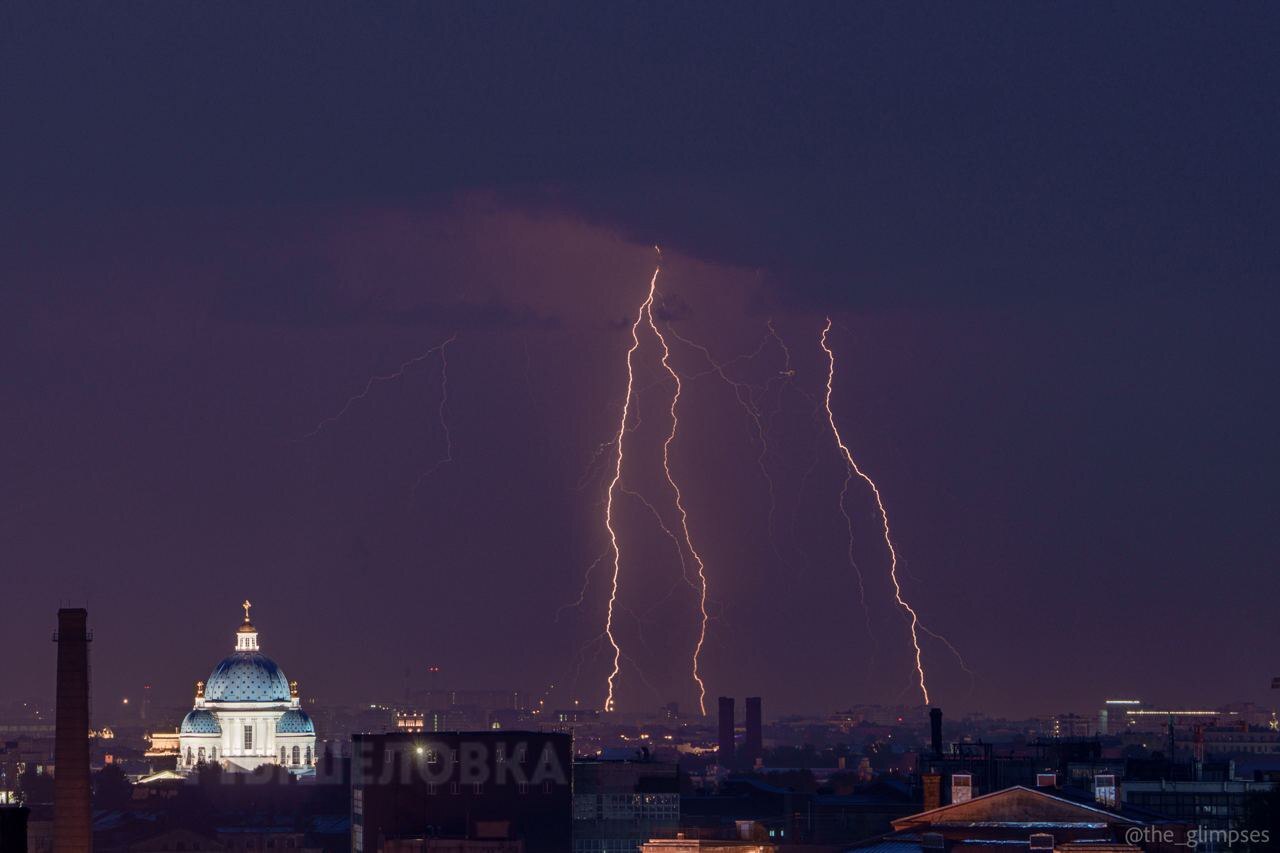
725,755
753,738
71,815
935,730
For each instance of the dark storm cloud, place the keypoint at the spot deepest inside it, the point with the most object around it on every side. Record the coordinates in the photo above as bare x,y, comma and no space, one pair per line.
470,315
303,292
861,153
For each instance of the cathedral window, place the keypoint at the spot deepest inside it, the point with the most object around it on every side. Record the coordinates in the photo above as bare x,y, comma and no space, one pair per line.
297,759
308,756
248,737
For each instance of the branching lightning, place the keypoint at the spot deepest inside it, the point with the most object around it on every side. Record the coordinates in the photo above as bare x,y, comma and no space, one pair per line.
679,499
884,515
379,379
749,397
369,385
443,414
613,488
682,544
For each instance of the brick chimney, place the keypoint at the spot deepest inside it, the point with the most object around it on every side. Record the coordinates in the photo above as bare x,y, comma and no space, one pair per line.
72,830
932,784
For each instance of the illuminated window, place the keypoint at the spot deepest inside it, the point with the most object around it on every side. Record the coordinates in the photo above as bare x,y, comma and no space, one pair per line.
248,738
297,756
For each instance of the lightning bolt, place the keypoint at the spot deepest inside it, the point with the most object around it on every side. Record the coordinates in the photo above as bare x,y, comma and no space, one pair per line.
442,413
679,500
370,384
748,397
884,515
582,593
613,489
379,379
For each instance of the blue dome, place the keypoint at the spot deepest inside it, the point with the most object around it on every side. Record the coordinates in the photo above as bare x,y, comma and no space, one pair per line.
295,722
247,677
200,722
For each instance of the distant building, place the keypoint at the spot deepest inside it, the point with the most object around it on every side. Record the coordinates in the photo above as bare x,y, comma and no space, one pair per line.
1227,741
746,837
444,720
985,770
784,815
1072,725
163,750
618,805
725,751
753,732
488,785
247,714
1219,804
1026,818
1113,716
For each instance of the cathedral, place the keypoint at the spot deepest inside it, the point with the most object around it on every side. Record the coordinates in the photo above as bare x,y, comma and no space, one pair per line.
247,714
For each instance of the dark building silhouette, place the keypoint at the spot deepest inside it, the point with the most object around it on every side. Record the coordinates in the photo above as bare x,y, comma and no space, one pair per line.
489,785
725,754
753,737
620,804
790,816
13,829
72,832
935,730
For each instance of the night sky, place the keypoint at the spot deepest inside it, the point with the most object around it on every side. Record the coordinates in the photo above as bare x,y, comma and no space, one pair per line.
1046,235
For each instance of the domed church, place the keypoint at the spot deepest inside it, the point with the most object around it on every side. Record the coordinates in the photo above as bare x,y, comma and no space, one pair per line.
247,714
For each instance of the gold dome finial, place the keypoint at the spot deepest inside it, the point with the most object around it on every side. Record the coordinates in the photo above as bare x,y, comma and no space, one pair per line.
293,689
199,689
246,627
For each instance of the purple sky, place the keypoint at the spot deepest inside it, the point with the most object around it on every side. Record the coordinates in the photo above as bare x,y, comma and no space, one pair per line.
1046,242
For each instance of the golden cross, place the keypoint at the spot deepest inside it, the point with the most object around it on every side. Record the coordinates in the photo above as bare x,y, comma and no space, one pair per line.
246,607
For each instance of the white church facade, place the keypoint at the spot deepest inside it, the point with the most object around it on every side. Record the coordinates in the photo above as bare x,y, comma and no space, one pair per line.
247,714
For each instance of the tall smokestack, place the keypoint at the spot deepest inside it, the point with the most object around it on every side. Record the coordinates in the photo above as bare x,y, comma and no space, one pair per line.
935,730
753,739
71,816
726,732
